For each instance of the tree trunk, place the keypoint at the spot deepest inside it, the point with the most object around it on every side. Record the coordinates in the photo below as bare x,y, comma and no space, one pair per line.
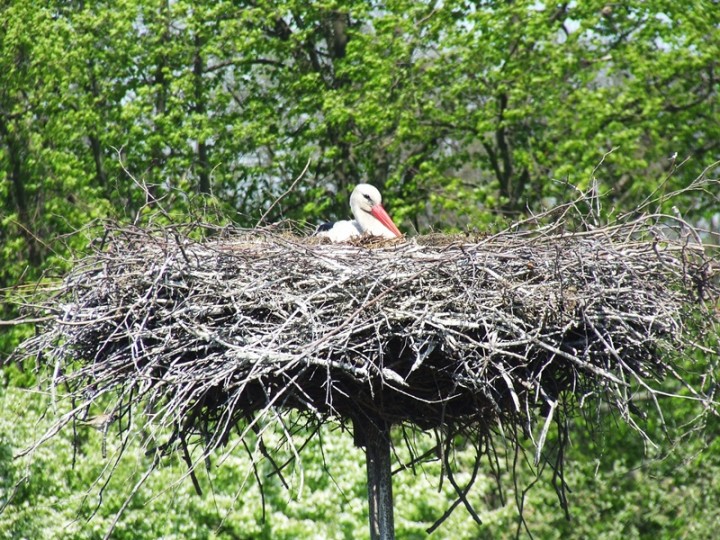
18,195
199,108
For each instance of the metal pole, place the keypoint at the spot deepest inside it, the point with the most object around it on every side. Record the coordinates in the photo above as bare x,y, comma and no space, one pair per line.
379,476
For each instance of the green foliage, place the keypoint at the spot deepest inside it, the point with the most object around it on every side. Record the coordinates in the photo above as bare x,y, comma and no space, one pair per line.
462,112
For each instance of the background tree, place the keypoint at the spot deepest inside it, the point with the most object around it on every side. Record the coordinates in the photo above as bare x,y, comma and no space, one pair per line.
455,106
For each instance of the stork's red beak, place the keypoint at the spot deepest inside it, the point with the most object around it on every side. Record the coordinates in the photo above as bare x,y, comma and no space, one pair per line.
382,216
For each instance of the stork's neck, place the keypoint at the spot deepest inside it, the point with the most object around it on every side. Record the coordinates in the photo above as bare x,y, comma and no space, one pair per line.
369,224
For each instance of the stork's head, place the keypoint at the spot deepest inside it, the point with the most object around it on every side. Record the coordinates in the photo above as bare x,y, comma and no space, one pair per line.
365,197
366,206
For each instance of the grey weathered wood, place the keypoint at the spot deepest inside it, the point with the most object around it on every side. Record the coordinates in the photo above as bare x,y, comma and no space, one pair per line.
379,480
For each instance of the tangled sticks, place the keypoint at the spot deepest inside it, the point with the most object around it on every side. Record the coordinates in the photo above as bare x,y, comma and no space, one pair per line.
456,333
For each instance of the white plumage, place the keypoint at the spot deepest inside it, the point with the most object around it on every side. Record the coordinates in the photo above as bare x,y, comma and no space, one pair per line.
370,218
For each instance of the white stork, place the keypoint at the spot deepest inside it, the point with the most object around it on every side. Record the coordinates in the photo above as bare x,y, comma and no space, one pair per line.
370,218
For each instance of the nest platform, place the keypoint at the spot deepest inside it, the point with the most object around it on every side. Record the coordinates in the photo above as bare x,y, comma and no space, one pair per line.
435,331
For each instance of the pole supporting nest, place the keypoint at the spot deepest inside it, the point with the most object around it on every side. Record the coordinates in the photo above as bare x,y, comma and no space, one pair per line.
374,435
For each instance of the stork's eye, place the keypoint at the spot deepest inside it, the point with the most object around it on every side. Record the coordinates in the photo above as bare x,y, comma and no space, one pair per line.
368,197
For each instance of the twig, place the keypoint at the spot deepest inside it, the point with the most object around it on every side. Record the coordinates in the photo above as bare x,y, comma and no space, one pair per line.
286,192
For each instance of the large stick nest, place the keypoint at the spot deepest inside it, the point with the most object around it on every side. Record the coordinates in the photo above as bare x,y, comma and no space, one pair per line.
432,331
